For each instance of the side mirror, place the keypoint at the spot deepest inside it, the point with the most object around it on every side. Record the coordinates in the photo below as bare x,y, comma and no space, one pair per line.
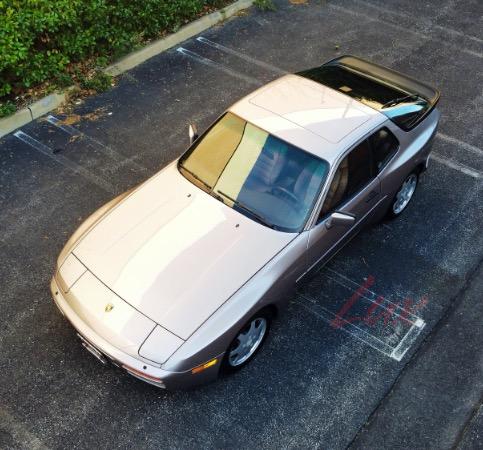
338,218
193,132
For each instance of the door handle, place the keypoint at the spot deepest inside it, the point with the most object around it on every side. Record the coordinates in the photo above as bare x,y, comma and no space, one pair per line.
371,196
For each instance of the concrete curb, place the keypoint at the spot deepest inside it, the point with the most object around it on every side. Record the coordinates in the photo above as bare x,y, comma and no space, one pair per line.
32,112
53,101
17,120
188,31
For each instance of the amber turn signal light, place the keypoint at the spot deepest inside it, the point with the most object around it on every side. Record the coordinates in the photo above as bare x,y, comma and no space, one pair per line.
204,366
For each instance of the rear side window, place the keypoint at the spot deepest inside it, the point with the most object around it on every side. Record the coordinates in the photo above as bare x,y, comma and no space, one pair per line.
352,175
384,146
359,164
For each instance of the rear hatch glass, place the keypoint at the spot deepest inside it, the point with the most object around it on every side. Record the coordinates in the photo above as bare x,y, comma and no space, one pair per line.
403,100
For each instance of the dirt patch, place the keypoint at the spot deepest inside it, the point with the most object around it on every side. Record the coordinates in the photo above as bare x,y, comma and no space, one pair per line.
72,119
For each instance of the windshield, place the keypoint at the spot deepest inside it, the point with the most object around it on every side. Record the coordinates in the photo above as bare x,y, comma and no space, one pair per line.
255,173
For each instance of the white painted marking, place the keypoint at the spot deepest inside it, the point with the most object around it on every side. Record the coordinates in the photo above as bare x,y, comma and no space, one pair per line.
452,140
370,18
350,328
443,232
457,166
426,23
406,315
420,323
407,341
367,335
459,33
249,59
66,128
72,131
209,62
47,151
20,434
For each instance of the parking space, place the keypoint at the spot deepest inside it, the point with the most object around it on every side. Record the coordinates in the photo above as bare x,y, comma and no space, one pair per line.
352,326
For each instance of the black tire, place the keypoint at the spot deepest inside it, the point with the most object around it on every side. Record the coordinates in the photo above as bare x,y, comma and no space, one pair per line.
265,315
393,210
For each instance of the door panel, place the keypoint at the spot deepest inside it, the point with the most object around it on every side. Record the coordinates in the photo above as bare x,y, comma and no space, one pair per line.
325,242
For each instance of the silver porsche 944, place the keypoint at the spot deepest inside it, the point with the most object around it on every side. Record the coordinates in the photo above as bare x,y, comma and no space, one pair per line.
179,279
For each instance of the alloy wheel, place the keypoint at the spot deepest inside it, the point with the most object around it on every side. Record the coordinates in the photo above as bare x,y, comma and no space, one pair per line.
247,341
405,193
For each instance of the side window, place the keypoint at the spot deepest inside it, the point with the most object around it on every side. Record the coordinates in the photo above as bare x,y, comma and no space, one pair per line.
353,173
384,146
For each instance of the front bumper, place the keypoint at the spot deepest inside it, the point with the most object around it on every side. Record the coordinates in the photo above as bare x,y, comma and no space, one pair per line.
139,369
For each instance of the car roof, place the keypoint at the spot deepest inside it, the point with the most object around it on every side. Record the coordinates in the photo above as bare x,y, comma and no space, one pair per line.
309,115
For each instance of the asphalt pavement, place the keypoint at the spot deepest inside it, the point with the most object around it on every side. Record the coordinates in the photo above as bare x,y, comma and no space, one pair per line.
411,377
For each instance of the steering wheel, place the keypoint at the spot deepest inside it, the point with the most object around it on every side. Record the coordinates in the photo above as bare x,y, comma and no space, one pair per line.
286,192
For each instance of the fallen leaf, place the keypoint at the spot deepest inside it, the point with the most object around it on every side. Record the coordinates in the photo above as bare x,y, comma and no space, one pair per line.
70,120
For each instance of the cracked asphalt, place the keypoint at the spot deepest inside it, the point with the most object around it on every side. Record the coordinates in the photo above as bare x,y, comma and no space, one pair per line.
313,384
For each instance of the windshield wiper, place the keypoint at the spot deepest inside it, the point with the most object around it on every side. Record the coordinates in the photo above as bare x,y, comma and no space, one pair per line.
196,177
396,101
248,210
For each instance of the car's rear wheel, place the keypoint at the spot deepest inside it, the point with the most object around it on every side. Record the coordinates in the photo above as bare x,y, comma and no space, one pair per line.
248,341
404,195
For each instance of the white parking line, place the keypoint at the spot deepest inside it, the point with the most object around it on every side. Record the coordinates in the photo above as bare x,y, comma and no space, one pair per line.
426,23
47,151
471,148
393,342
249,59
209,62
394,352
442,232
109,151
457,166
353,330
19,434
370,18
406,315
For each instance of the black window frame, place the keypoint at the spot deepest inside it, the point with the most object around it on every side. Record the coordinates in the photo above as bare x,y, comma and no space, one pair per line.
391,157
374,175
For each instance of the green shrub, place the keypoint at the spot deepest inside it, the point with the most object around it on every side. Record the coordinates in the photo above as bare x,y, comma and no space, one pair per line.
40,39
7,108
265,5
63,80
98,82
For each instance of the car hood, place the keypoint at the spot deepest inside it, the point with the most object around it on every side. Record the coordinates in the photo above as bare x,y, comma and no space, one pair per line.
175,253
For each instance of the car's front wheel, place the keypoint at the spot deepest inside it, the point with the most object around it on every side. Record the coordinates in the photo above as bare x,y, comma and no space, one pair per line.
404,195
248,341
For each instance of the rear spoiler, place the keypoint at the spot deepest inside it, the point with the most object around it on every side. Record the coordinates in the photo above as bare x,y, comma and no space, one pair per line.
388,76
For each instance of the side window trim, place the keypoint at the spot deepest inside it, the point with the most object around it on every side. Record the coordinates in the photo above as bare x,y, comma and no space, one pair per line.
371,146
315,215
318,217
